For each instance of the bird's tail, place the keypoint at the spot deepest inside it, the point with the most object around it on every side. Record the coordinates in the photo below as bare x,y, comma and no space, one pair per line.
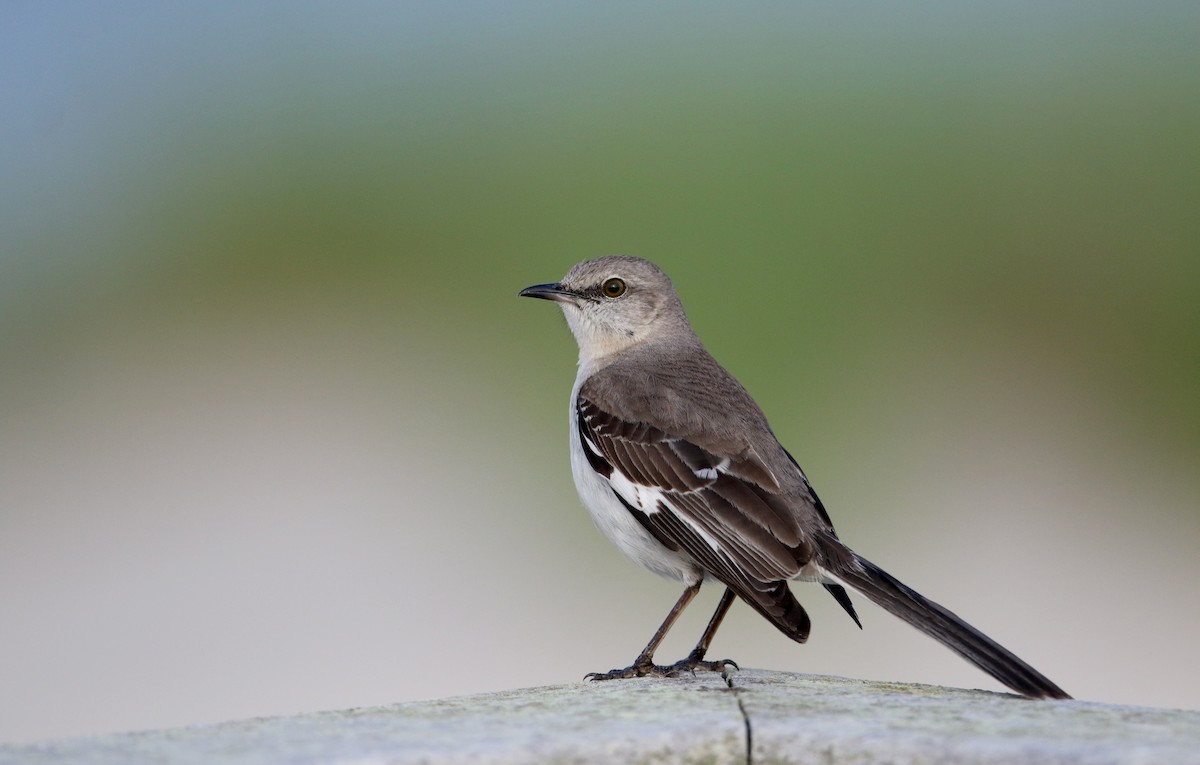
944,626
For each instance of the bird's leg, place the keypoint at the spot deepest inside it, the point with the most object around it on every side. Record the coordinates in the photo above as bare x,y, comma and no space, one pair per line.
695,659
644,664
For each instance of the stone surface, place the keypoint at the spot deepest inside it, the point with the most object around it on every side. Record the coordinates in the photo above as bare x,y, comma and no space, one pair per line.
790,718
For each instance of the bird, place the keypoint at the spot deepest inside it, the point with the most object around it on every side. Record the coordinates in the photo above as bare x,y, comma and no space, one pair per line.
679,468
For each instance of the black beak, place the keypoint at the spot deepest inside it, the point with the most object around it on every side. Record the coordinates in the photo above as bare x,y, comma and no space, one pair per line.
547,292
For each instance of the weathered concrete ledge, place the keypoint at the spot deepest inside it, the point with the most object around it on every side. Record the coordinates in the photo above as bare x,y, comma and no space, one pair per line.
768,717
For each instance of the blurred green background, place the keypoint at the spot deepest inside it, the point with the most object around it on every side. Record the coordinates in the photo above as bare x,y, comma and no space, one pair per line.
277,435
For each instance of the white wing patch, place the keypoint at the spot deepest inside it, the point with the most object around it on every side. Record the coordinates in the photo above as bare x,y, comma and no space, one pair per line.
587,442
711,473
644,498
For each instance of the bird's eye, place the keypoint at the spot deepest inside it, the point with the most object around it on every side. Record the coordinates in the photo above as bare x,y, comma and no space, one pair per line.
614,288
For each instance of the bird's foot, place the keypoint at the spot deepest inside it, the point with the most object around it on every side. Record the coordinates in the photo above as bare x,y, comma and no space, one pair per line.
647,668
695,660
637,669
691,665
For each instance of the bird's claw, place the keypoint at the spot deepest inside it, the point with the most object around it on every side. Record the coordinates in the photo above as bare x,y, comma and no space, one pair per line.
649,669
692,664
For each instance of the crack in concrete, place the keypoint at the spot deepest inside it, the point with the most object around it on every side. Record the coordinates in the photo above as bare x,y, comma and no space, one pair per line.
749,732
728,674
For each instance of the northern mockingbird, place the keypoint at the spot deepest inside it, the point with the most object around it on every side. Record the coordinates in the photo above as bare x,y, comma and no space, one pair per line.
679,468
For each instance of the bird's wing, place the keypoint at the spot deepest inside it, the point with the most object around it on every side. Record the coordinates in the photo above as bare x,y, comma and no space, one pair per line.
704,505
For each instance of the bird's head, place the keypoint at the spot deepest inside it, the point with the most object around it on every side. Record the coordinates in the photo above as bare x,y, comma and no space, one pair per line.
613,303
